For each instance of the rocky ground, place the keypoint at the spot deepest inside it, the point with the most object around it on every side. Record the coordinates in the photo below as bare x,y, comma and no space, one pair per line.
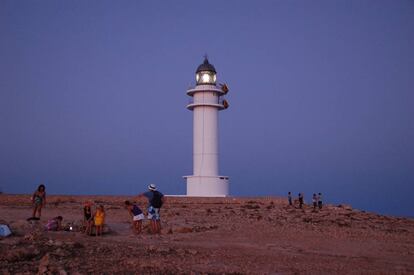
207,235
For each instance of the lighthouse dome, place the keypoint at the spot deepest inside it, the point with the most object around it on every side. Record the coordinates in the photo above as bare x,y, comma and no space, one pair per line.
206,73
206,66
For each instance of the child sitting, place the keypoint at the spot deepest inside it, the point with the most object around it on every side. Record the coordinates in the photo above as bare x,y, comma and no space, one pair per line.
54,224
99,219
137,216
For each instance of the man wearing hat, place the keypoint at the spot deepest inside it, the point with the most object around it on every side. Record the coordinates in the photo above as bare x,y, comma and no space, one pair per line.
155,201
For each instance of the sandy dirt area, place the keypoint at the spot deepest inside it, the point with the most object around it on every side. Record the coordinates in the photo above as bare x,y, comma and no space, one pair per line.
207,236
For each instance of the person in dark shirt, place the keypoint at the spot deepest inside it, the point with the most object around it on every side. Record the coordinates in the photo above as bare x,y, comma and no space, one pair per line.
290,198
300,197
87,217
155,201
137,216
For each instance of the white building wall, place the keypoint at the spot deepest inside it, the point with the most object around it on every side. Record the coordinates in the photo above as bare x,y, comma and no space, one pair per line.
205,181
205,141
207,186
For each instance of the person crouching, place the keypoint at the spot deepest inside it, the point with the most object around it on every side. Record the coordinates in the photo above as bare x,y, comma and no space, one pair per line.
137,216
54,224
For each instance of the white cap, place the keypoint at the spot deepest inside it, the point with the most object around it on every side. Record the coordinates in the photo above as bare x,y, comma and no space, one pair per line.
152,187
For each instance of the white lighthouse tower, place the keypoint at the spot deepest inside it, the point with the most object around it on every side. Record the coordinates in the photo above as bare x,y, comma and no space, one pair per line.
207,100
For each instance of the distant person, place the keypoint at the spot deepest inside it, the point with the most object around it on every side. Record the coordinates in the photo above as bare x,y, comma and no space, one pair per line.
54,224
300,198
39,200
137,216
290,198
87,218
155,201
320,200
314,201
99,220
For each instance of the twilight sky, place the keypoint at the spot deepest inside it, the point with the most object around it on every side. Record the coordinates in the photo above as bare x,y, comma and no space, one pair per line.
93,96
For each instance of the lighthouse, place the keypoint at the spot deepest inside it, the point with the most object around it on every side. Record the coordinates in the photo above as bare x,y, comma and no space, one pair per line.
207,99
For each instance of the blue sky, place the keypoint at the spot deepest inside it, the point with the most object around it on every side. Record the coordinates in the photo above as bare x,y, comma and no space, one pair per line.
93,96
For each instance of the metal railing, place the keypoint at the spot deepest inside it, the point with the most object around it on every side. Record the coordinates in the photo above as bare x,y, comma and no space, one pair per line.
219,101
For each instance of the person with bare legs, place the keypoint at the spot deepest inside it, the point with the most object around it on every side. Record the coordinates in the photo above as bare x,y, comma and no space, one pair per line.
137,216
99,219
155,201
87,218
39,201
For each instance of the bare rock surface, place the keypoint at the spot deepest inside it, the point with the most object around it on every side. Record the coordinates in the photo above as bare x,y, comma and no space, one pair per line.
207,236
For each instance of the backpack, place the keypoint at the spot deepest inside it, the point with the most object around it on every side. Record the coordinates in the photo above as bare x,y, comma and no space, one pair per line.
156,200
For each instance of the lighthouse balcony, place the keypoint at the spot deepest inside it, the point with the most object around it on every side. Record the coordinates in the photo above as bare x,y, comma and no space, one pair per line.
220,103
206,88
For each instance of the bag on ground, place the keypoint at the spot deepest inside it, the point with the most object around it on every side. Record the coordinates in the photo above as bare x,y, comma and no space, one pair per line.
4,230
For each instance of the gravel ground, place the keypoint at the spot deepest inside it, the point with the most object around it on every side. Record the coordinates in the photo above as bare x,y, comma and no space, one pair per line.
207,236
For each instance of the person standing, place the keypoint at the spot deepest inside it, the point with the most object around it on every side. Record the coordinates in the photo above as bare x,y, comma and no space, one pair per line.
155,201
39,200
99,219
87,217
290,198
320,200
300,198
314,201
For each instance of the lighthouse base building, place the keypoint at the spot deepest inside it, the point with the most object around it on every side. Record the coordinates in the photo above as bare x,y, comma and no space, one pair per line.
207,100
207,186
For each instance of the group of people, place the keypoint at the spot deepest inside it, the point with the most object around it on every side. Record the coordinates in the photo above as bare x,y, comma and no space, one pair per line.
316,200
155,201
92,220
95,220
